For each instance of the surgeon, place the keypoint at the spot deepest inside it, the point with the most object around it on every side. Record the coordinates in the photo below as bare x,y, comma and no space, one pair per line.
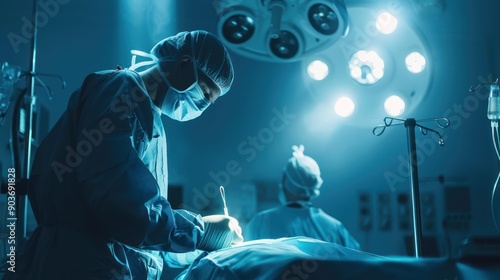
98,186
301,183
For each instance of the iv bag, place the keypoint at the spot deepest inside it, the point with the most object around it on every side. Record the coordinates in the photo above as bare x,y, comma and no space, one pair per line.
9,75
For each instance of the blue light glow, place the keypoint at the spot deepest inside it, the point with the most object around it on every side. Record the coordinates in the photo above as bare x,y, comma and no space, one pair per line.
317,70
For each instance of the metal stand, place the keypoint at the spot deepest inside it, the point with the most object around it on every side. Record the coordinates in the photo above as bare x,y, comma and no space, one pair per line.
410,125
21,198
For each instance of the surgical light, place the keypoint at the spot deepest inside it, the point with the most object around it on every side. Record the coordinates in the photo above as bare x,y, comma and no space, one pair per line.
281,30
386,23
344,107
394,105
323,19
317,70
366,67
415,62
369,66
238,28
286,45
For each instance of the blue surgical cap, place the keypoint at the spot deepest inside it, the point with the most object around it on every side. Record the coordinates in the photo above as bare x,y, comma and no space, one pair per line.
210,55
303,177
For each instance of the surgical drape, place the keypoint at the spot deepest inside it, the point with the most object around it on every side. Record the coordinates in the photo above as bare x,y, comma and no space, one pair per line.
290,221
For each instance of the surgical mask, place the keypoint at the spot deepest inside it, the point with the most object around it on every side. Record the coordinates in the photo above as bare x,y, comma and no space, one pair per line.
181,105
184,105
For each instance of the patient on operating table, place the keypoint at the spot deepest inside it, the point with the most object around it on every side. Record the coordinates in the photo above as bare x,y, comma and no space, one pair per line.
296,216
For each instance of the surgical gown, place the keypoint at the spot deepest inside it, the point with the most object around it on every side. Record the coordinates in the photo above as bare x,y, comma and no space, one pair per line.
298,220
98,189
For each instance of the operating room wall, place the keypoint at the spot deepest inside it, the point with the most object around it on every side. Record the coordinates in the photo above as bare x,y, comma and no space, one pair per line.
246,136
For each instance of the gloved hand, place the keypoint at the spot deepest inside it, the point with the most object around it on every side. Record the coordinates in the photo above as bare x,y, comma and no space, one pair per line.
221,231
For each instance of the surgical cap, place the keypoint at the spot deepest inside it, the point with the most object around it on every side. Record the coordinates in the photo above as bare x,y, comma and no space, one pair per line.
302,175
210,55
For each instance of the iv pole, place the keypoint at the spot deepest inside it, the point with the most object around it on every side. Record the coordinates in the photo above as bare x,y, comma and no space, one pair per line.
21,198
410,125
415,191
24,167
